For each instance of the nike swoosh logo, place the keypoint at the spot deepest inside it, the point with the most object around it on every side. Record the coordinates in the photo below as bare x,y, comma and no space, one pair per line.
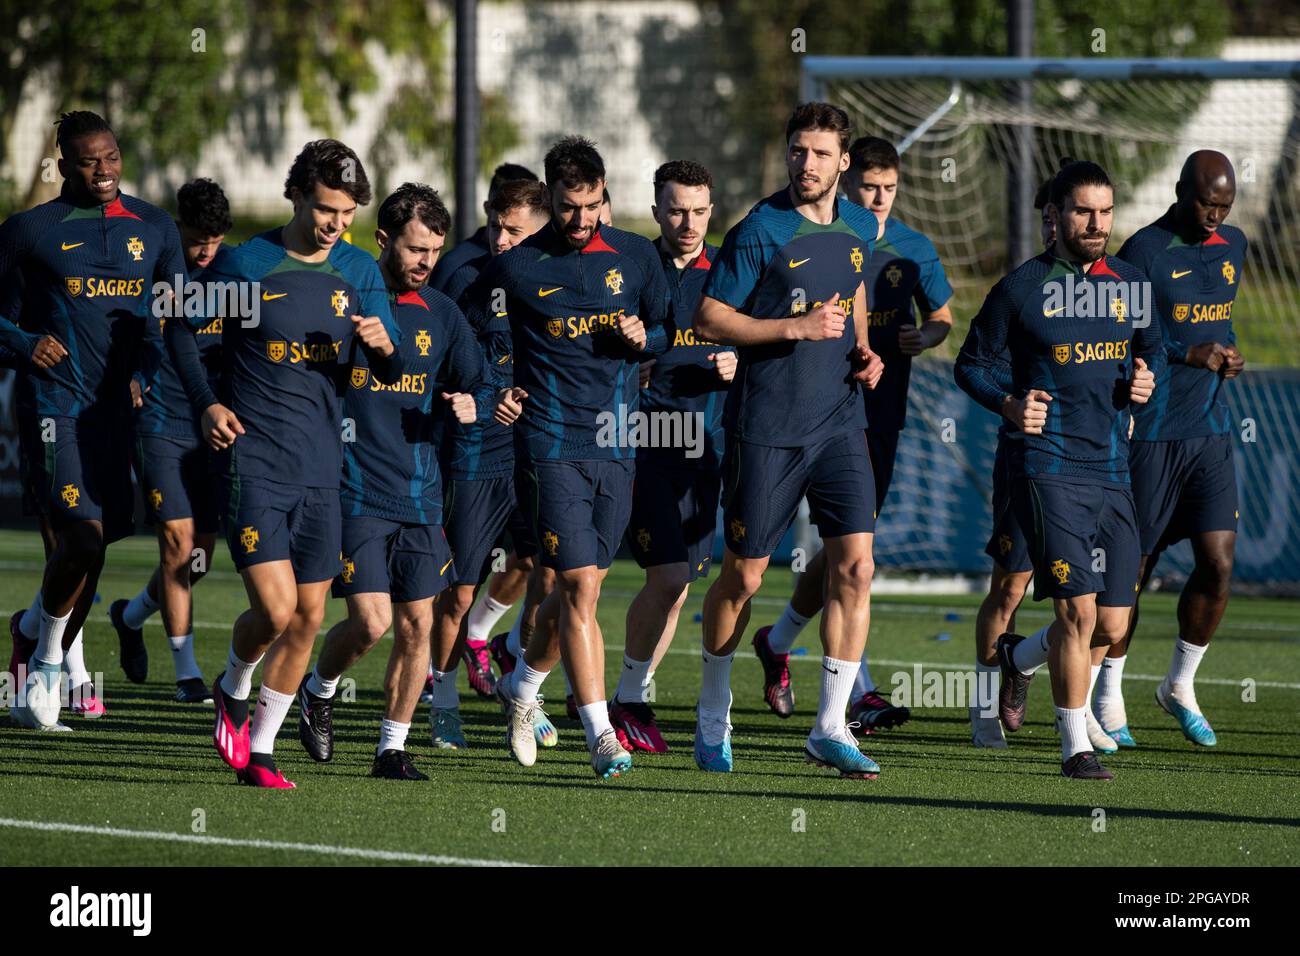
444,568
1179,275
796,265
829,669
268,296
65,246
1054,311
543,293
500,314
503,359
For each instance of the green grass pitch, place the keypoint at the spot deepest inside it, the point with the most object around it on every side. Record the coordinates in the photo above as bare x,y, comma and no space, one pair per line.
148,767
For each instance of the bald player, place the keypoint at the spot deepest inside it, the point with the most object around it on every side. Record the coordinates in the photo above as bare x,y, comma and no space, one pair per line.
1184,485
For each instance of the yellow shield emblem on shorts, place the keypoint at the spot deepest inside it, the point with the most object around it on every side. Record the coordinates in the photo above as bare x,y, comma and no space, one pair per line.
551,542
643,539
1181,311
70,495
155,499
1061,353
275,350
73,285
737,529
1061,569
359,376
249,538
555,327
349,569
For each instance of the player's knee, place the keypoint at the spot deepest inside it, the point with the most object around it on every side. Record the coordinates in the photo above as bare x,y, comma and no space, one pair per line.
1009,592
667,588
855,574
580,588
410,629
177,546
83,545
1079,621
1216,572
273,616
458,601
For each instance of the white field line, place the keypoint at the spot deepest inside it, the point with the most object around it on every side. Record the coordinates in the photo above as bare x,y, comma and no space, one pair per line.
388,856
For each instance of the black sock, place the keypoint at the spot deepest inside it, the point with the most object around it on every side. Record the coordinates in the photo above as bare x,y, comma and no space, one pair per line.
237,709
266,761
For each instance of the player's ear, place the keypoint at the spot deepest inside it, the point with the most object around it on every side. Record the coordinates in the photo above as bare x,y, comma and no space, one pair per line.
844,162
381,238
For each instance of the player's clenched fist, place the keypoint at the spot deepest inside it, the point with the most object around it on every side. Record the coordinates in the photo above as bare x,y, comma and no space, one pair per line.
632,331
1142,384
48,352
1029,414
1207,355
370,330
724,363
910,340
867,366
510,405
1233,364
827,321
462,406
220,426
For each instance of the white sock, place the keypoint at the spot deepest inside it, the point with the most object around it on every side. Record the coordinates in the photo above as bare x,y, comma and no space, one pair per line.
392,736
634,682
513,639
862,683
1073,724
837,683
525,682
445,695
320,686
1182,669
272,708
715,686
986,689
1108,702
786,630
1031,653
483,616
49,643
30,623
74,662
138,609
183,657
1093,671
595,721
237,681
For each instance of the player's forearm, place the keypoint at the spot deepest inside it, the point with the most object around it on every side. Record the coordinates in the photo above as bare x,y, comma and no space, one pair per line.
987,383
1149,345
387,368
726,326
183,348
16,340
934,331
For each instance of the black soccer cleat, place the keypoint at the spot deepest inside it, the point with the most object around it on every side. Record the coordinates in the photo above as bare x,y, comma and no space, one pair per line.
192,690
315,723
1085,766
132,653
1014,691
395,765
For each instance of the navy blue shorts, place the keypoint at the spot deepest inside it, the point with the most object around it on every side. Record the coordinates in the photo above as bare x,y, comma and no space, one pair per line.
1007,545
762,487
674,516
81,472
519,528
1083,539
408,562
882,445
475,512
177,481
580,509
1182,488
268,521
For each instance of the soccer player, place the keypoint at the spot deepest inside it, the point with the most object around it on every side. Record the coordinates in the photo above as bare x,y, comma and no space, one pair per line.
321,308
1082,350
481,501
903,277
87,262
587,304
789,288
675,497
176,473
1181,458
477,246
395,555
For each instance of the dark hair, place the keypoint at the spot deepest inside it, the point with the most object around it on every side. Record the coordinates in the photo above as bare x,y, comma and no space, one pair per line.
521,192
872,152
820,116
573,161
509,173
329,162
1072,175
683,171
1044,192
413,201
201,205
75,124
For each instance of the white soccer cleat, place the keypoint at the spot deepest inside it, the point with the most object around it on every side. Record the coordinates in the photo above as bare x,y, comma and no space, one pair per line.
986,732
1101,741
42,703
520,737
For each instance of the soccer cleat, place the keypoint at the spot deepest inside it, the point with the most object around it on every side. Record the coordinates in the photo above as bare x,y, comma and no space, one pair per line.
715,758
571,708
1122,736
636,727
500,651
1193,725
520,737
84,703
1100,740
543,729
134,656
269,778
873,712
479,669
1084,766
447,732
40,709
315,723
23,718
426,695
396,765
1014,690
842,754
23,647
986,732
232,742
192,690
608,758
776,675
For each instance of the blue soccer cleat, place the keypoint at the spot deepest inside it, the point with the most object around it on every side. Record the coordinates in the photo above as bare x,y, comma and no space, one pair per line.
447,730
1122,737
543,729
715,758
608,758
841,754
1194,726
